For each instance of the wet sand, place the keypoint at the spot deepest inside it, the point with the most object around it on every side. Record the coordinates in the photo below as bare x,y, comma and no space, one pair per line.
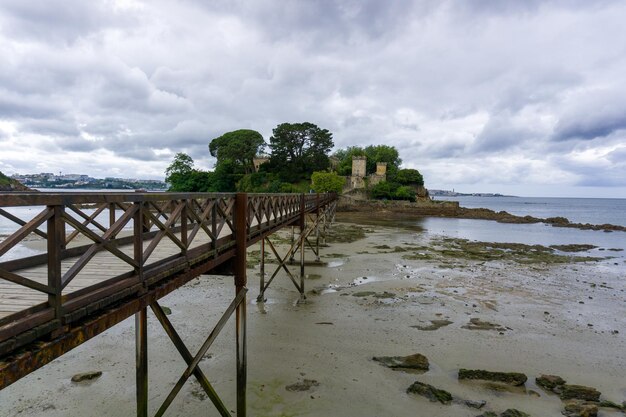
364,301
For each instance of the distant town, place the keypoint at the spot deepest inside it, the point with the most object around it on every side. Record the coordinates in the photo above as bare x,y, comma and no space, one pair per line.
82,181
448,193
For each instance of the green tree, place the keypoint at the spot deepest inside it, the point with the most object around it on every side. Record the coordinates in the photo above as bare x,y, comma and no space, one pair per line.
299,149
183,177
404,192
382,153
176,174
409,176
325,182
382,191
239,146
386,190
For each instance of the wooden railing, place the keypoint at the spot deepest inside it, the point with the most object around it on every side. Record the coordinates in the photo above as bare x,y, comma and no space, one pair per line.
97,249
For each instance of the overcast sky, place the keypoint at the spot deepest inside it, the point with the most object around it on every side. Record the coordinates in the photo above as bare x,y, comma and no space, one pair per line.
516,97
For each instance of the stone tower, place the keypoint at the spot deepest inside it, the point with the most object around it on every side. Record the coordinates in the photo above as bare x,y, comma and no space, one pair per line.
357,180
358,166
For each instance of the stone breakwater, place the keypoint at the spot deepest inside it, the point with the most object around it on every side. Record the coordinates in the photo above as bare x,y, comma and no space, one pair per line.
426,207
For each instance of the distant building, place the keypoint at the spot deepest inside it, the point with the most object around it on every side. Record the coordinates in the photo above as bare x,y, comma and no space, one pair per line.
259,160
359,178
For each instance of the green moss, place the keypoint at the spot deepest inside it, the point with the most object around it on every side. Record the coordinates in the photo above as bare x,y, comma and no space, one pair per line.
345,233
573,247
430,392
502,251
363,293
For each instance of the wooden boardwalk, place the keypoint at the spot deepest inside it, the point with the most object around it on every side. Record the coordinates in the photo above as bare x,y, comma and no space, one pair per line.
106,257
103,266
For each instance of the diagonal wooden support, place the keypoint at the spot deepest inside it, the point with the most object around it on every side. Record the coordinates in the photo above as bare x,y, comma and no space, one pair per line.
282,264
296,244
184,352
205,346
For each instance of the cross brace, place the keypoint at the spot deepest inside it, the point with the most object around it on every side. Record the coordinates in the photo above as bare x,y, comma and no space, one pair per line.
316,223
236,306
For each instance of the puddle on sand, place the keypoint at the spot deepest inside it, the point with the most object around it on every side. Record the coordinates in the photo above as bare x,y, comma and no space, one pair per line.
267,301
335,264
365,280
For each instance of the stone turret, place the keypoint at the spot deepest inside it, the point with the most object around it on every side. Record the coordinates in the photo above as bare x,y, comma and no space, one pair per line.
358,166
380,175
357,179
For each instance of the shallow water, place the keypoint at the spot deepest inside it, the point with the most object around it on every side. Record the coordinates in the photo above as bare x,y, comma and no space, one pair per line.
577,210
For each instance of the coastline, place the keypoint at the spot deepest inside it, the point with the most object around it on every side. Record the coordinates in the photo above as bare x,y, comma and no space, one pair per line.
452,209
377,292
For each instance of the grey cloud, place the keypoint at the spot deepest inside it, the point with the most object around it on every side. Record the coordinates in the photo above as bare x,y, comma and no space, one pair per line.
76,144
618,156
592,115
33,106
58,20
500,134
51,127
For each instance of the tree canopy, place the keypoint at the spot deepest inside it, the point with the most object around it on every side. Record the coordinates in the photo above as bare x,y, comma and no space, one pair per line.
183,177
299,149
325,182
408,176
240,147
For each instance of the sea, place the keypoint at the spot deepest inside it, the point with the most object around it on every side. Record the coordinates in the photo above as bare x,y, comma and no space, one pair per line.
578,210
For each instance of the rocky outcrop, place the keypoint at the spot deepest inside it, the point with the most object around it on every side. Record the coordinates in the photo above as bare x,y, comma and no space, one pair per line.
427,207
415,361
579,392
8,184
510,378
430,392
550,382
580,409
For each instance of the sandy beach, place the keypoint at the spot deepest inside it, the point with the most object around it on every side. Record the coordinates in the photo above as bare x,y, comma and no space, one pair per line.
385,291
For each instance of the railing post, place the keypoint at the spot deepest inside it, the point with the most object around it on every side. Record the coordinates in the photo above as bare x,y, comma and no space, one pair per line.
111,214
138,228
302,242
317,228
141,361
184,234
56,242
261,297
241,238
214,227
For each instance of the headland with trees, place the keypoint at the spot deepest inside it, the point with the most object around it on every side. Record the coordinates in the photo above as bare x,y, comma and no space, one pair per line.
297,159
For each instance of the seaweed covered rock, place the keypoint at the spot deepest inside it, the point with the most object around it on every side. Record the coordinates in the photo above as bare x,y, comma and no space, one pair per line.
550,382
511,412
511,378
579,392
415,361
580,409
430,392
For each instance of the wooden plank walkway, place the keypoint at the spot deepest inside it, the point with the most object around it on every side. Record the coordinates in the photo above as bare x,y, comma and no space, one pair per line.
103,266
